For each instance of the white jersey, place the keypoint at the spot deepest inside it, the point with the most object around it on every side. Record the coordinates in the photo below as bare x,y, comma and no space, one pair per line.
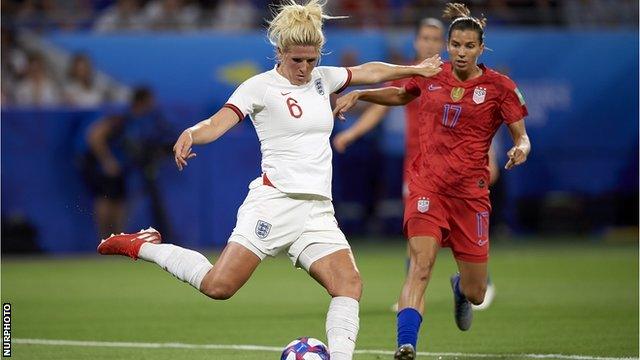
293,123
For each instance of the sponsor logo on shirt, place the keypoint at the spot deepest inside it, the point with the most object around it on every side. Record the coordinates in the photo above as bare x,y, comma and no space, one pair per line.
262,229
479,93
434,87
285,93
483,242
319,87
457,93
423,205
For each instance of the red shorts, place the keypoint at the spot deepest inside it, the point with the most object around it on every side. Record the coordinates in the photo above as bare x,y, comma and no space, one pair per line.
457,223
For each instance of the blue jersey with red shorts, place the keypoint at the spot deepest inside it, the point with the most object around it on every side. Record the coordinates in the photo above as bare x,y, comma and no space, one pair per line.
449,179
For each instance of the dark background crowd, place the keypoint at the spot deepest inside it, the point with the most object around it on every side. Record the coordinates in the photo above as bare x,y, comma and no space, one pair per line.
189,15
30,77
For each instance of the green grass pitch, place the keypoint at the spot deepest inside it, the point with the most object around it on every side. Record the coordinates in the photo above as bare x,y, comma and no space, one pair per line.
574,299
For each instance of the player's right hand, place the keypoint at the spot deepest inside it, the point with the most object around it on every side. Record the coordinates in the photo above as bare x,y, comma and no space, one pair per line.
342,140
344,103
182,149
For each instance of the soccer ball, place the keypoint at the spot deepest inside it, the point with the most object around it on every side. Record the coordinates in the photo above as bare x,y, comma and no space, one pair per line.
305,348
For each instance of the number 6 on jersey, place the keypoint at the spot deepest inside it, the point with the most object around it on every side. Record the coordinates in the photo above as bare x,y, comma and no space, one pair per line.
294,109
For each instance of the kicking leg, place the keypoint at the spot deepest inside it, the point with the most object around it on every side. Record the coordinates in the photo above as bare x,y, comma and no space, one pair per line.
337,272
232,270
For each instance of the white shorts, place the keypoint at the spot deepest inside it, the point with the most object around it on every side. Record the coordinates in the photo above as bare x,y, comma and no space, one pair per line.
270,221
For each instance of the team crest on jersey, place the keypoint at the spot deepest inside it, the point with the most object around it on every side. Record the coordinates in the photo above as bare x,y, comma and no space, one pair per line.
262,229
423,205
479,94
319,87
457,93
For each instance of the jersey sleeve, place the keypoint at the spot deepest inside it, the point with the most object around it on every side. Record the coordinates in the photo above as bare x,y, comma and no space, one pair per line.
248,99
513,107
413,86
336,78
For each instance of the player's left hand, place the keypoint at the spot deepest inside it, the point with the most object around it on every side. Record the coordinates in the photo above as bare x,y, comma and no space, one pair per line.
517,155
344,103
430,66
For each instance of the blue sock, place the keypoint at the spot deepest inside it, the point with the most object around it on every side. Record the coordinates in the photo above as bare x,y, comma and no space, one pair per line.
409,321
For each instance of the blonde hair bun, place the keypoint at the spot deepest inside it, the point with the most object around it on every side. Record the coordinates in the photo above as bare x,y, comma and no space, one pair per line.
296,24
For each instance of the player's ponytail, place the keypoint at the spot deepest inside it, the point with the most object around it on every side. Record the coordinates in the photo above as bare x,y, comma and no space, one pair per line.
461,19
296,24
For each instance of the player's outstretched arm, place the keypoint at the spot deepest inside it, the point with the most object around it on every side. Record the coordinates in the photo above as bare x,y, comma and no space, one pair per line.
390,96
204,132
369,119
377,72
519,152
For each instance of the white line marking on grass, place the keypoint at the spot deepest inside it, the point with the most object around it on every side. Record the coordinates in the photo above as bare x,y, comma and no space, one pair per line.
279,349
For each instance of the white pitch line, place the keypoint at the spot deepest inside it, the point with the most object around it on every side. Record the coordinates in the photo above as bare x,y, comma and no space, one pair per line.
279,349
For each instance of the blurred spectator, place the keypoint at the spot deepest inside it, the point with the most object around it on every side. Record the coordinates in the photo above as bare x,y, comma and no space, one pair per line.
171,15
128,15
14,64
591,13
412,11
365,14
71,14
121,145
83,89
124,15
233,15
41,15
32,14
527,12
37,87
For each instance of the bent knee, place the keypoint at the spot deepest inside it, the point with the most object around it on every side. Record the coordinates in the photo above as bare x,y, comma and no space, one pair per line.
476,294
349,285
218,290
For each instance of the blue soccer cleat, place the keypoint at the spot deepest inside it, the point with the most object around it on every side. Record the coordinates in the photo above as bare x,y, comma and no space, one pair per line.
405,352
462,310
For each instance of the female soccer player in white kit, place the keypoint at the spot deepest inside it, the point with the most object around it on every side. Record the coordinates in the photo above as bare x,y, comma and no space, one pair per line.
289,206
